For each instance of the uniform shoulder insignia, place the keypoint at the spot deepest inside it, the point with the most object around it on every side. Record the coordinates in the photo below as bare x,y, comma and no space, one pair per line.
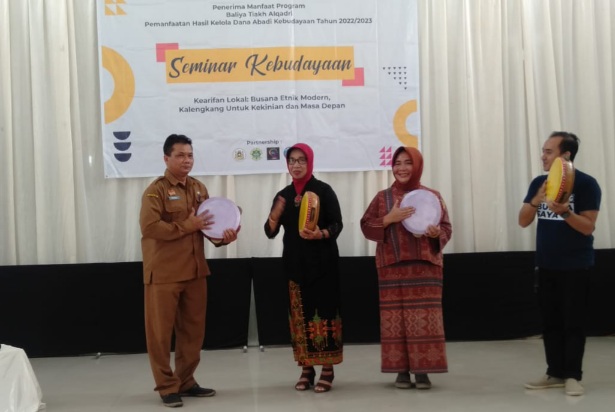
152,195
196,181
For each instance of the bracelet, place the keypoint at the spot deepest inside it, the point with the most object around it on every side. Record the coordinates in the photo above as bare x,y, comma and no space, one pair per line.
275,222
534,206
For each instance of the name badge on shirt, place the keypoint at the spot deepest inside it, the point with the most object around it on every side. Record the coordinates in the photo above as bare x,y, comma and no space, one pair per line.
173,195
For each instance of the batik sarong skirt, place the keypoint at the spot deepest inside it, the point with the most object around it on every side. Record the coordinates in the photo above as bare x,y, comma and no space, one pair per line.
315,324
411,324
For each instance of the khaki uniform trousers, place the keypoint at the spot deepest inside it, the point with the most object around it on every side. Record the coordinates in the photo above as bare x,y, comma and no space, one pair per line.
179,306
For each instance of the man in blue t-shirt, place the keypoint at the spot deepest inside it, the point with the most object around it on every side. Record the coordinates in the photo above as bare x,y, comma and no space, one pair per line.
564,257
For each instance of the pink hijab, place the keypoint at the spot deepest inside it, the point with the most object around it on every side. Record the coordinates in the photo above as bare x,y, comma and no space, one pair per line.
309,155
417,168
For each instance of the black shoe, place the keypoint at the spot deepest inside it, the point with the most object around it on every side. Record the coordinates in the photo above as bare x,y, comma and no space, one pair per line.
172,400
196,390
422,381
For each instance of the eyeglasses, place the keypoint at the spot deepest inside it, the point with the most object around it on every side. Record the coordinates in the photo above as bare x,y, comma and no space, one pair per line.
302,161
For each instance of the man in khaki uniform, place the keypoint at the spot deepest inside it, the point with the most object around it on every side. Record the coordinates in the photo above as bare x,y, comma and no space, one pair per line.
174,272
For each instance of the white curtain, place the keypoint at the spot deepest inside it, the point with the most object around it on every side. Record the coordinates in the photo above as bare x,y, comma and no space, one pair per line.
497,77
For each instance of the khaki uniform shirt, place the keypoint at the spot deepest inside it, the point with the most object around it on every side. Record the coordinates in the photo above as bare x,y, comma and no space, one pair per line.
173,248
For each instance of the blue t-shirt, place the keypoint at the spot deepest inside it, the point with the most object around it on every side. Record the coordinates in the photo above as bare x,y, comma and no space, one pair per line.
558,246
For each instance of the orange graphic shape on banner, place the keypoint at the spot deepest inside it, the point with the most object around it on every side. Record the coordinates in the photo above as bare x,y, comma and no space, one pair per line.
111,5
399,124
124,84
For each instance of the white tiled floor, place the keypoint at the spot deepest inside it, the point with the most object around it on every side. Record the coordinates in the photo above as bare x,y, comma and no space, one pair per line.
484,376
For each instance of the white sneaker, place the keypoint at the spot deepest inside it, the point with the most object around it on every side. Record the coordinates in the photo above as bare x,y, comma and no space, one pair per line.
573,387
545,382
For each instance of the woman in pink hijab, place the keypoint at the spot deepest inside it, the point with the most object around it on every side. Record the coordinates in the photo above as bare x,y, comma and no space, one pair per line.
409,277
310,261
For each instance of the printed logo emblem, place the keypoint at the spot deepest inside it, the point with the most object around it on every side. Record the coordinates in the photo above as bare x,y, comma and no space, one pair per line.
256,154
273,153
239,155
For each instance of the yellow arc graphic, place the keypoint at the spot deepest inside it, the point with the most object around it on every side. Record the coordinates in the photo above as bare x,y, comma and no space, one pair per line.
124,84
399,124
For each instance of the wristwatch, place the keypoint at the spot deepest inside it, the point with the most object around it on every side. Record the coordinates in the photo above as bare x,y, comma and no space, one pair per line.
565,215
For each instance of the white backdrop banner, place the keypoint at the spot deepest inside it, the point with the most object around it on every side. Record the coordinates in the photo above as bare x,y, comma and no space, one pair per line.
247,80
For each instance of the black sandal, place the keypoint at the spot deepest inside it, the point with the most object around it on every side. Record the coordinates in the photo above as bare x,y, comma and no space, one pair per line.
325,382
306,379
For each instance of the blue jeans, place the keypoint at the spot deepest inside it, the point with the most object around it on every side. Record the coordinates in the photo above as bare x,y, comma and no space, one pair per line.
563,299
